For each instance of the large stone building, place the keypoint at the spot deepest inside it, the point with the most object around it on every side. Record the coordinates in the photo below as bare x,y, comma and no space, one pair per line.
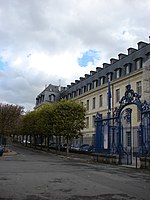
92,90
50,94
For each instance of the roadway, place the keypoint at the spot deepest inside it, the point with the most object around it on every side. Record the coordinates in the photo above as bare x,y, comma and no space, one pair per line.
35,175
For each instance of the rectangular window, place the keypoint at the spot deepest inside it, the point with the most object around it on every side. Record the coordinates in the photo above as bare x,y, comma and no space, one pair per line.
94,103
73,94
69,96
95,84
101,100
139,63
93,121
101,80
128,68
87,104
117,95
139,87
148,55
109,76
87,122
84,89
118,73
89,87
80,91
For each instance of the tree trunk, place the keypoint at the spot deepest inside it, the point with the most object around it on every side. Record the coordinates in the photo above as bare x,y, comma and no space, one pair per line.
30,141
41,140
34,141
48,143
26,140
67,146
13,138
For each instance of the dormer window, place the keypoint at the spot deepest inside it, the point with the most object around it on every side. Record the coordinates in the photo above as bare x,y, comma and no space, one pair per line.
95,83
109,76
118,73
79,92
42,98
138,63
101,80
89,86
148,55
52,98
37,101
128,68
84,88
69,96
73,94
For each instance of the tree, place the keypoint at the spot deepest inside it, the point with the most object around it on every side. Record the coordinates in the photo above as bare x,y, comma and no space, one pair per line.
69,119
38,123
64,118
45,121
29,125
9,116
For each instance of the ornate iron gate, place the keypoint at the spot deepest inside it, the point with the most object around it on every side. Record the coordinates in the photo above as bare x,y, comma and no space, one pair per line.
114,133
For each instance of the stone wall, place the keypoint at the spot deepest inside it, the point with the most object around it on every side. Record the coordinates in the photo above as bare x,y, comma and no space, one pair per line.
145,162
146,81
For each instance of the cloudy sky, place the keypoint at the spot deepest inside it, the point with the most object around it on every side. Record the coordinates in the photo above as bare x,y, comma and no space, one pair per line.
58,41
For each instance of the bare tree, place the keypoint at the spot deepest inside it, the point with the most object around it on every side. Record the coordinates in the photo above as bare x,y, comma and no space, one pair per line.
9,115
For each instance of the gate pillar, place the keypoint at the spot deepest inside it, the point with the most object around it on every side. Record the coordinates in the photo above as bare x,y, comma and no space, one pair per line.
119,140
98,121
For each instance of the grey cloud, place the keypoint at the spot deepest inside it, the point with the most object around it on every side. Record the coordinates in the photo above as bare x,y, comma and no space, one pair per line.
56,26
22,88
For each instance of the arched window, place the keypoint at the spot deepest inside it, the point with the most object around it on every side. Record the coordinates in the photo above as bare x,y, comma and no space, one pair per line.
52,98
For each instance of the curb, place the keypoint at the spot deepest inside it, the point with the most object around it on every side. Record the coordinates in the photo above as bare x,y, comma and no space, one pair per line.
11,153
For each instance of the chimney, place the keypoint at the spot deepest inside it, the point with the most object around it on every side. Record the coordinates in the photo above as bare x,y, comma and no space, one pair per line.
121,55
105,65
68,86
113,60
77,81
87,75
131,50
141,44
98,69
92,73
81,78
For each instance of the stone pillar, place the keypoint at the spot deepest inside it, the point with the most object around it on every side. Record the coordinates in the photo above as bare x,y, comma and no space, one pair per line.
146,81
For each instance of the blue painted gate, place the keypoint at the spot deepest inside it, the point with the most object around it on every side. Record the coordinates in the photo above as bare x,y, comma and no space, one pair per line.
114,133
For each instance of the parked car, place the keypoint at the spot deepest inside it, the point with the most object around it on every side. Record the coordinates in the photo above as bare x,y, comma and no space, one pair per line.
75,147
1,150
24,142
84,147
53,145
87,148
63,147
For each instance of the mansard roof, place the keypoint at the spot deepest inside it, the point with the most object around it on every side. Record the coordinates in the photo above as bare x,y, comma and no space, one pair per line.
143,49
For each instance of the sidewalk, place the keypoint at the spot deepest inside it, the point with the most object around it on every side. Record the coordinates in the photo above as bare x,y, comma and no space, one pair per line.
9,153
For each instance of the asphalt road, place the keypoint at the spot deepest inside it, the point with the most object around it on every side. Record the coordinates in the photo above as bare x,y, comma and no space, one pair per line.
32,175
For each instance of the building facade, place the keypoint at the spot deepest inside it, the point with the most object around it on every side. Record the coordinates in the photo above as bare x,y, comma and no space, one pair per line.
92,90
50,94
